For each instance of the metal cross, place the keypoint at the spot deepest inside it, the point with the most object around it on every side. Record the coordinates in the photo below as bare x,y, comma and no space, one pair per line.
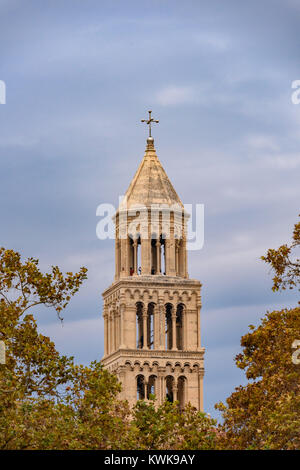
149,121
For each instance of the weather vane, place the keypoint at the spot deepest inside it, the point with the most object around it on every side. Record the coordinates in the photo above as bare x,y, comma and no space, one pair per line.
149,121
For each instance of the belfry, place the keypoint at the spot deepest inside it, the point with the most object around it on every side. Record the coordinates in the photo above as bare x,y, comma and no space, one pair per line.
152,309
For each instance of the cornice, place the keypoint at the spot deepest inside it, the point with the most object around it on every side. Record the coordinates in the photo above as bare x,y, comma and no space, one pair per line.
152,282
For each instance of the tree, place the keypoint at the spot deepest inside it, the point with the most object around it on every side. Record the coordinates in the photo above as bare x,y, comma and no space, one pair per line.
167,427
285,264
46,401
265,414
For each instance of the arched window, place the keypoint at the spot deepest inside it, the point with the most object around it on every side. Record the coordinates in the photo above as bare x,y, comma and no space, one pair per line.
154,263
150,325
168,329
170,388
138,268
151,386
139,325
163,265
140,387
131,256
179,326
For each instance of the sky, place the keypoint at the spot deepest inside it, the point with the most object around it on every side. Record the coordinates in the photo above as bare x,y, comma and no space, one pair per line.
80,75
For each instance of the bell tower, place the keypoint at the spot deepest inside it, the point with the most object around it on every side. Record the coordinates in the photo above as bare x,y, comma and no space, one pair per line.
152,308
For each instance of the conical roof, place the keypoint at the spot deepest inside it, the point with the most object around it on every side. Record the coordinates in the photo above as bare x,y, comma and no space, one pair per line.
150,184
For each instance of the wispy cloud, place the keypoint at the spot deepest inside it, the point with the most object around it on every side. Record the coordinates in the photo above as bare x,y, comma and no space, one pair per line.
175,95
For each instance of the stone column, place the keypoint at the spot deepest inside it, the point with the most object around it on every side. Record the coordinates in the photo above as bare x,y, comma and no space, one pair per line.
105,334
161,385
198,328
156,327
200,388
123,257
129,327
117,329
113,346
122,345
175,389
184,329
117,248
177,258
145,256
110,333
162,342
145,338
184,257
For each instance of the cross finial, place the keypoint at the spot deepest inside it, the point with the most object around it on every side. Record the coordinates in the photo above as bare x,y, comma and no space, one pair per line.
149,121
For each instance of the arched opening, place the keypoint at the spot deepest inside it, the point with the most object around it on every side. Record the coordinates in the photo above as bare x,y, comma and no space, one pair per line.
170,388
168,326
151,386
154,261
138,268
140,387
179,326
181,390
139,325
150,325
163,265
134,255
131,256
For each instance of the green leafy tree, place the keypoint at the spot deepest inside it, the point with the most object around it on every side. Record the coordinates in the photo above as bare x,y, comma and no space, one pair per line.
285,264
265,414
167,427
46,401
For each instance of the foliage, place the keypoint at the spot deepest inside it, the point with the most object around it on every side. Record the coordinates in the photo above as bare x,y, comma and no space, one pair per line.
167,427
48,402
285,264
265,414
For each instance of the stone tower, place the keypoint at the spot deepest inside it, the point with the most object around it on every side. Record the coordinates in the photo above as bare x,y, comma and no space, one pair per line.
152,309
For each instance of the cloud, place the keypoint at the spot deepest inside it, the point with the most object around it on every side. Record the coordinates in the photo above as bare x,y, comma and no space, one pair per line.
175,95
71,138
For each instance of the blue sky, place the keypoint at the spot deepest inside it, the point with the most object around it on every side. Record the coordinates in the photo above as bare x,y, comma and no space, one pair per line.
80,75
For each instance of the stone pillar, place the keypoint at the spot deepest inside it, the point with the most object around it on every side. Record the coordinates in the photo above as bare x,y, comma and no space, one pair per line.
145,338
175,389
184,329
156,318
177,258
122,345
117,329
117,248
162,319
110,333
161,385
184,257
198,329
105,333
129,327
113,346
145,256
200,388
